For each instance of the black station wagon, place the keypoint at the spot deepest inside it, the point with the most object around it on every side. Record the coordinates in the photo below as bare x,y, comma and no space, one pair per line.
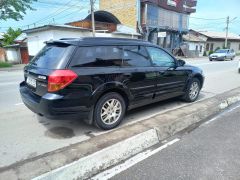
98,79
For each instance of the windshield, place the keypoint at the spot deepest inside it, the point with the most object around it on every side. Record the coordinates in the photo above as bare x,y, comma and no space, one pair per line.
222,51
52,56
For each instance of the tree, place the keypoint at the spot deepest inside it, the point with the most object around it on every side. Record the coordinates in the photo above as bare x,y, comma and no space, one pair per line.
8,38
14,9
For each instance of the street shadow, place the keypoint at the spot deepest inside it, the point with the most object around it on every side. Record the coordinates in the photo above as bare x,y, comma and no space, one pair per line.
69,128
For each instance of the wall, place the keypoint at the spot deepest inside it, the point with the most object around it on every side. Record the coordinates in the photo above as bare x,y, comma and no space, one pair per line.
13,55
124,10
216,44
2,54
36,40
165,19
194,48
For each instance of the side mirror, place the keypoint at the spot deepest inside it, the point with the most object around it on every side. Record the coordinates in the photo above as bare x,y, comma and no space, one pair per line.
181,62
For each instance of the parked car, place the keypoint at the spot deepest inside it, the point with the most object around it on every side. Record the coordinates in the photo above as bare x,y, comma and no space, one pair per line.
98,79
222,55
239,66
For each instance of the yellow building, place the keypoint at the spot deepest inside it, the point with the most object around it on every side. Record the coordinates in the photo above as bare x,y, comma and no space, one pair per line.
125,10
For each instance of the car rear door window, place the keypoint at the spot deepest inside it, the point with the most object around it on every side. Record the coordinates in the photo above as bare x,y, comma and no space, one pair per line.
160,57
97,56
135,56
52,56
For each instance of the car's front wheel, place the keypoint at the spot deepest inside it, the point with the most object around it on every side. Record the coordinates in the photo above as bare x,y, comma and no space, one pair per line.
109,111
193,90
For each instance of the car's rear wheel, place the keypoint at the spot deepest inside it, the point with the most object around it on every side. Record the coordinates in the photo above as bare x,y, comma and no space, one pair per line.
109,111
193,90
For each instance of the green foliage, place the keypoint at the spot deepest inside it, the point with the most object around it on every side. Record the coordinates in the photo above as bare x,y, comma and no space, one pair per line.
5,64
14,9
210,52
8,38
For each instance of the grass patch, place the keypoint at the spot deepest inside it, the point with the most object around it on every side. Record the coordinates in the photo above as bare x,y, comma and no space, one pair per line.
5,65
237,54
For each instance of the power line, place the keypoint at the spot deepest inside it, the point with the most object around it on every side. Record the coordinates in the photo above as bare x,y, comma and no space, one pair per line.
207,19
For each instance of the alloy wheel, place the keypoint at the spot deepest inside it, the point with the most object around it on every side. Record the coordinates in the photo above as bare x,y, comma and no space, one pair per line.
111,111
194,90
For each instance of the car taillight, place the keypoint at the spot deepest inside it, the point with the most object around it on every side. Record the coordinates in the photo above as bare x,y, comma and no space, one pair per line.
59,79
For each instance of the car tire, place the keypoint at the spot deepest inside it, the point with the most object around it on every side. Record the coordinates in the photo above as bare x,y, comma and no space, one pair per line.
210,59
191,95
109,111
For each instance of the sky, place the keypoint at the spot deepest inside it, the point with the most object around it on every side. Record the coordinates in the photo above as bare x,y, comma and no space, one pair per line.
210,10
211,14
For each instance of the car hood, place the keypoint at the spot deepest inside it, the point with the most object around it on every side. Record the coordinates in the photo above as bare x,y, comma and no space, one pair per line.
218,54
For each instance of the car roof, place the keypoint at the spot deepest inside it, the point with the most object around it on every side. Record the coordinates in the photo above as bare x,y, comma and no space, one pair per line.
92,41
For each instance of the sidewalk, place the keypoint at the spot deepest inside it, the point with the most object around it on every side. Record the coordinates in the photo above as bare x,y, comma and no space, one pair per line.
16,67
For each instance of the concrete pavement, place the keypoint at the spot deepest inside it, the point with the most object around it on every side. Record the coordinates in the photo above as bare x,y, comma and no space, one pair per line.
22,131
209,152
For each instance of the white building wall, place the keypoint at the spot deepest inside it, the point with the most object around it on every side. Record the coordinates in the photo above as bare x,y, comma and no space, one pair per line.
235,46
13,55
192,46
36,40
220,44
59,34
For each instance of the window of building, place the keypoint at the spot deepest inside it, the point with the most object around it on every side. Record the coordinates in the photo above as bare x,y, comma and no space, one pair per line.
207,47
98,56
211,48
135,56
160,57
201,48
196,47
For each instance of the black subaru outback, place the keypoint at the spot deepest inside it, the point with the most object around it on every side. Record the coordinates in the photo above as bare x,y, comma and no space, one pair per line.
98,79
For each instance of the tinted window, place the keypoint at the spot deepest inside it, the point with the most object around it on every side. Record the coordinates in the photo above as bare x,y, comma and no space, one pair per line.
160,57
135,56
51,56
97,56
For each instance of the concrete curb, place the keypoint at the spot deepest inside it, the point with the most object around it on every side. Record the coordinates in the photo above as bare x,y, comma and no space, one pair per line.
85,159
89,165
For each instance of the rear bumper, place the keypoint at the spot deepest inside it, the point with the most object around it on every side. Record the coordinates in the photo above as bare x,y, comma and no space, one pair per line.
53,106
217,58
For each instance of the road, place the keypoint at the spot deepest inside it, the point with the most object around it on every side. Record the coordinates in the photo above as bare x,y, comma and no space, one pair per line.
209,152
24,135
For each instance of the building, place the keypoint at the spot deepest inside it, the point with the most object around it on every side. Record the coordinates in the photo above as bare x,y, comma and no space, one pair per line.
194,44
216,40
162,22
108,26
2,51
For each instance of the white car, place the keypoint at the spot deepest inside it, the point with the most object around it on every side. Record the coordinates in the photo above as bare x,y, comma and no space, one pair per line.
222,55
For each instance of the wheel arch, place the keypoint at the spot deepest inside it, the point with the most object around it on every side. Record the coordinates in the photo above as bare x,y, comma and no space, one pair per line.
200,78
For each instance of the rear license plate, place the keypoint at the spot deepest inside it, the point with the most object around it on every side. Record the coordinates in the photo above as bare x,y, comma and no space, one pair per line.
31,82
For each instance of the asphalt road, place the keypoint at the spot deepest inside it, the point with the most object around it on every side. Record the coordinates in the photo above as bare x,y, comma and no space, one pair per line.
24,134
209,152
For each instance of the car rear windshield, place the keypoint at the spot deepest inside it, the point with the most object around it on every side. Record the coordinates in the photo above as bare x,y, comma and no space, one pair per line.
52,56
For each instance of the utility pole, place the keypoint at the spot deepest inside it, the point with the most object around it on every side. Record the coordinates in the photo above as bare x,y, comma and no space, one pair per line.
226,40
92,15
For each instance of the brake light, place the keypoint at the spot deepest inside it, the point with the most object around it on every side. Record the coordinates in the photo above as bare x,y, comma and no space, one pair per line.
59,79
